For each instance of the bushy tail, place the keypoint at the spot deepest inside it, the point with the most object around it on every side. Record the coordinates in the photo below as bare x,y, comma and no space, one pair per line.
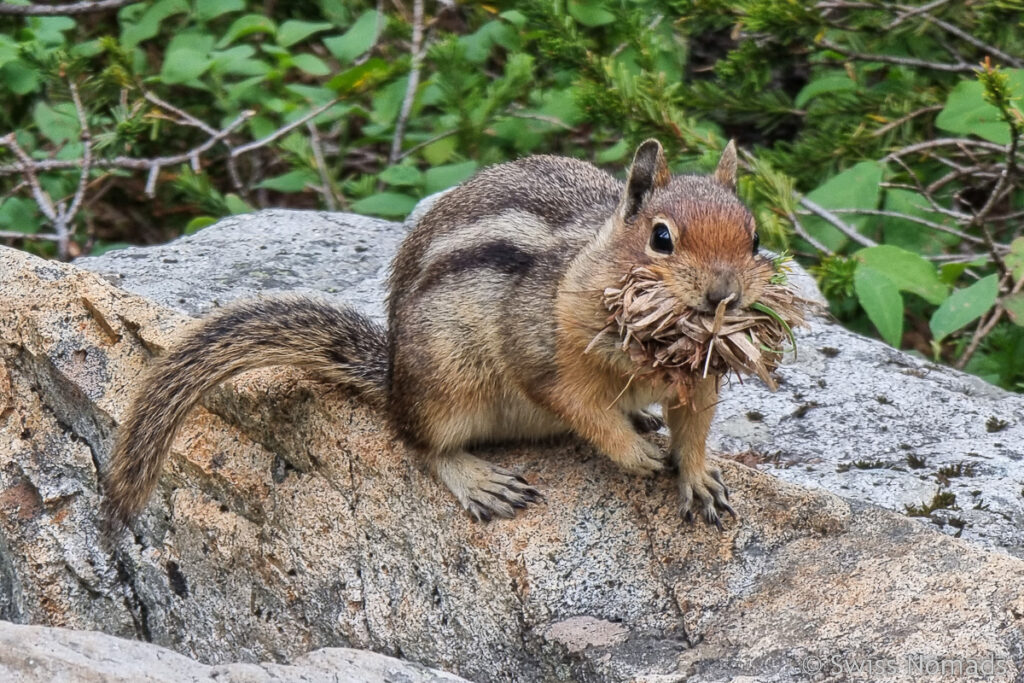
340,344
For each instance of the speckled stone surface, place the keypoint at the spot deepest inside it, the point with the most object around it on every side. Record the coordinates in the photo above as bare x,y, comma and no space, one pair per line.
39,654
338,254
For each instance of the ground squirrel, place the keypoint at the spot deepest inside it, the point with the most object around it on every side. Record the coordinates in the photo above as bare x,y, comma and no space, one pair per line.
494,297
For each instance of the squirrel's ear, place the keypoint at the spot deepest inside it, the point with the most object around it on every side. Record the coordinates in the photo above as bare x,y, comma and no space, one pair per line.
726,171
649,171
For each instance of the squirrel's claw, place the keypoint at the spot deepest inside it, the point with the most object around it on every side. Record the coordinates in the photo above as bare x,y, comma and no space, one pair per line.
486,491
708,494
646,422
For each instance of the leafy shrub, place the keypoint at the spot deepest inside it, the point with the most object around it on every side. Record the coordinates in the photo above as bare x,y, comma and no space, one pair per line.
881,140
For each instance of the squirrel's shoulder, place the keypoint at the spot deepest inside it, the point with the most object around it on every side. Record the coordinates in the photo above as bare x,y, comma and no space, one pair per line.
558,190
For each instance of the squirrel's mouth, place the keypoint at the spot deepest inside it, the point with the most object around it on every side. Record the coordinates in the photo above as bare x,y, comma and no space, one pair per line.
731,304
683,344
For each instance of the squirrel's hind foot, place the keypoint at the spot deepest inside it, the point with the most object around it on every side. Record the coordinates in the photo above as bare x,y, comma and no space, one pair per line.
486,491
705,493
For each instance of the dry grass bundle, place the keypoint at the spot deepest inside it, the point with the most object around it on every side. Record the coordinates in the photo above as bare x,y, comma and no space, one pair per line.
684,346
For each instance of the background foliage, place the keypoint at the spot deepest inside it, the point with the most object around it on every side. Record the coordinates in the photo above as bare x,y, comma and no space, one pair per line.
880,139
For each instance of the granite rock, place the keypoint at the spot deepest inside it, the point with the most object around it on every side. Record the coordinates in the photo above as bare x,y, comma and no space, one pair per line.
41,654
289,519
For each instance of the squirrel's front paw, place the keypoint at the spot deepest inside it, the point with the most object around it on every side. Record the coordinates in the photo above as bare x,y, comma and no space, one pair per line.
646,422
642,458
704,491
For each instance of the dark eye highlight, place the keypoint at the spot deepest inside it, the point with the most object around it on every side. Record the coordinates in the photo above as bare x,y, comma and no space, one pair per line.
661,239
757,242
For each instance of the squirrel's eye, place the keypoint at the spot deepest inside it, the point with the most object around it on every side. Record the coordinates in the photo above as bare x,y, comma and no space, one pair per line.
661,239
757,242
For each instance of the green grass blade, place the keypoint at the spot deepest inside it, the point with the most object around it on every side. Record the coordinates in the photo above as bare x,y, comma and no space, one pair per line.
758,306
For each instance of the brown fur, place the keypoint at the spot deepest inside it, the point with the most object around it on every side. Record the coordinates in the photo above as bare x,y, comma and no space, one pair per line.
495,295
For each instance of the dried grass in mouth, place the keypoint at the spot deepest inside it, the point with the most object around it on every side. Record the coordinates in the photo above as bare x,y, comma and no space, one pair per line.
682,346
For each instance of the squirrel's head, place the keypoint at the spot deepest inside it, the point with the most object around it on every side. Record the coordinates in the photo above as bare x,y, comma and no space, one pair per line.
690,230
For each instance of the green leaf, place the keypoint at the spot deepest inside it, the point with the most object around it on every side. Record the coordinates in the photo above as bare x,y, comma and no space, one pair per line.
239,61
19,214
1014,259
358,39
514,17
387,101
907,271
967,113
8,49
881,300
1014,305
367,74
590,14
616,152
187,58
311,64
477,45
335,11
561,105
820,86
59,123
442,177
951,272
246,26
198,223
388,204
275,51
236,204
436,153
292,181
50,30
148,24
854,188
293,31
19,78
87,48
211,9
401,176
964,306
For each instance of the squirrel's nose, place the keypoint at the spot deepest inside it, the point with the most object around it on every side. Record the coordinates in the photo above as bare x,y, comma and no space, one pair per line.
721,288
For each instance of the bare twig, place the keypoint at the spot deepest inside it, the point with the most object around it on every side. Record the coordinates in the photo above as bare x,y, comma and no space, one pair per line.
321,167
124,162
412,150
63,10
30,236
910,12
961,143
956,258
914,219
837,223
419,51
554,121
63,220
184,116
903,119
960,67
957,173
282,131
28,168
968,38
801,231
86,137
